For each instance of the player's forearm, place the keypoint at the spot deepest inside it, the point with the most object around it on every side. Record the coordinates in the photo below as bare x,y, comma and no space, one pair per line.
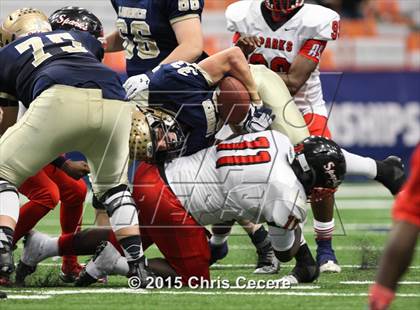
299,72
292,82
186,52
190,41
239,69
233,62
286,80
114,42
398,254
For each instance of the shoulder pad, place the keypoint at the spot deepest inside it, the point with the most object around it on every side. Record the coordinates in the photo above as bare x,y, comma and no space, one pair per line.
317,22
236,13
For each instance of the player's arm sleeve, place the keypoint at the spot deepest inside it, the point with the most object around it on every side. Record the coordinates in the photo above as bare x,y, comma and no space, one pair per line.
187,77
407,204
312,49
114,5
236,16
92,44
179,10
236,37
328,28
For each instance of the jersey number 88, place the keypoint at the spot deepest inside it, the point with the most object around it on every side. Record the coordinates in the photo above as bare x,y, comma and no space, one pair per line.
139,29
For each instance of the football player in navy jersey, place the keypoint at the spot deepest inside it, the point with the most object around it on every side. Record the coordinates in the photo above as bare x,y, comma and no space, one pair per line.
154,32
74,103
190,91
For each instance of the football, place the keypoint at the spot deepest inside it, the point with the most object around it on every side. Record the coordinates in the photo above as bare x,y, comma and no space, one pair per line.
233,101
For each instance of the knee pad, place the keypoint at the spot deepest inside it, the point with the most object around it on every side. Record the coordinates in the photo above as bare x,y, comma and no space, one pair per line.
285,242
120,207
9,200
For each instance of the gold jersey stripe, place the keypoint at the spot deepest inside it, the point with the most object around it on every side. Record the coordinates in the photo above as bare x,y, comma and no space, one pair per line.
7,96
205,74
184,17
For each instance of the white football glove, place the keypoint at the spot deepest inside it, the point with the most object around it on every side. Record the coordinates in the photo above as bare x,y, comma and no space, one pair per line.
259,119
136,84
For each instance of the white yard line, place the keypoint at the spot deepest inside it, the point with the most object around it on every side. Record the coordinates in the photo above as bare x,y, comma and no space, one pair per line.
85,291
27,297
282,293
229,266
371,282
336,248
49,293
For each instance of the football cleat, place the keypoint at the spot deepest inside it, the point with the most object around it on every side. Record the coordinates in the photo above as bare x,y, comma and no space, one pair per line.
3,295
101,264
5,281
267,262
7,265
302,273
22,271
390,172
218,252
32,254
70,272
140,270
326,258
269,269
85,279
330,266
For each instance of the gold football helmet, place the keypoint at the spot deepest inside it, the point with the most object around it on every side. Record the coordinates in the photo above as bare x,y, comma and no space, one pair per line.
21,23
155,136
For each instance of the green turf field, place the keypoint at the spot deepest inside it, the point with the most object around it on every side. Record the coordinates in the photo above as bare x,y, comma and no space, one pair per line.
362,221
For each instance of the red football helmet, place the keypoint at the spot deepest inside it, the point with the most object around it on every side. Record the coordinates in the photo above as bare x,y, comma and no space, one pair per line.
283,6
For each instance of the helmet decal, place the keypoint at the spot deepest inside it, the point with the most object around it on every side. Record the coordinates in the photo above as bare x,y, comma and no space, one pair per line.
76,18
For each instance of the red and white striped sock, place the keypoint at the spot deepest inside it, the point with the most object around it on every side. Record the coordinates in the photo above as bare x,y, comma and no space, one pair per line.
323,230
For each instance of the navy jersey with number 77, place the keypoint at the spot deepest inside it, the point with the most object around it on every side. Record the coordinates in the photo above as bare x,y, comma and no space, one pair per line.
32,64
146,27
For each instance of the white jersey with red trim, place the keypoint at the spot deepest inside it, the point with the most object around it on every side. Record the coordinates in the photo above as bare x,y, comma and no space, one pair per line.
248,177
305,33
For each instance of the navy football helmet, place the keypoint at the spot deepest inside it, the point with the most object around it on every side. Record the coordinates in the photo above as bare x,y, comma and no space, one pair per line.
76,18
